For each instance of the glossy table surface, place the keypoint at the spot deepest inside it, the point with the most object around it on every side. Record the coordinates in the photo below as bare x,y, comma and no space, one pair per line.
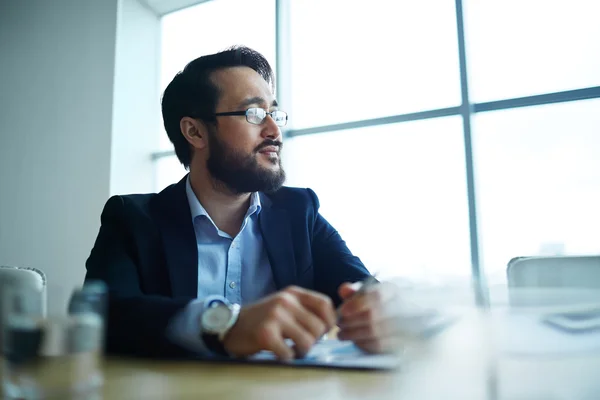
462,362
455,365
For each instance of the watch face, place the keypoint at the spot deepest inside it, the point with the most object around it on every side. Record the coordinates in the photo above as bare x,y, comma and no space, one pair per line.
215,319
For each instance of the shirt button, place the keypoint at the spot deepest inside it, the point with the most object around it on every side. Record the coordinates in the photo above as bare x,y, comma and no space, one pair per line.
232,285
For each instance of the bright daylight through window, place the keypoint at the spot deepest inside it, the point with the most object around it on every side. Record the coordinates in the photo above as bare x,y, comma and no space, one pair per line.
417,185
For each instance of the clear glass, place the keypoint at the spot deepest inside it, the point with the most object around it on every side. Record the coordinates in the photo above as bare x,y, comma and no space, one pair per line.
517,347
55,357
354,60
210,27
538,181
167,170
258,115
396,193
549,335
519,48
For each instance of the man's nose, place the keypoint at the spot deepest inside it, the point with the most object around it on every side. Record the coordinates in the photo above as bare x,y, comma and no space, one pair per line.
271,129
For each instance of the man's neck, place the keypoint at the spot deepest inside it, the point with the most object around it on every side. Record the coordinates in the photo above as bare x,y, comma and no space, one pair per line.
227,210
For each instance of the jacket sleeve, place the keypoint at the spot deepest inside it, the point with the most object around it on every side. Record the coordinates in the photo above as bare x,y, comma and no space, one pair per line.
333,262
136,323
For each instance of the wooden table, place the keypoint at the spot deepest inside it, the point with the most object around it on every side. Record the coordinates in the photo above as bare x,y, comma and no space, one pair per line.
453,366
432,375
152,380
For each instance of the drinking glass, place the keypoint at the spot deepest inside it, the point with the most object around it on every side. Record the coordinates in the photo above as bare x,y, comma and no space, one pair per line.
54,357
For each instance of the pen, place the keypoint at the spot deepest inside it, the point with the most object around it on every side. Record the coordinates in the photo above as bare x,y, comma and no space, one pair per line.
366,284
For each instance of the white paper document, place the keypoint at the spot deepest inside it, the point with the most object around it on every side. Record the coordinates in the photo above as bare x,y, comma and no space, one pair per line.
337,354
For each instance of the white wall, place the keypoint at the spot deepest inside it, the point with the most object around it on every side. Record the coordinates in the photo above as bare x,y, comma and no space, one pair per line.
136,105
57,67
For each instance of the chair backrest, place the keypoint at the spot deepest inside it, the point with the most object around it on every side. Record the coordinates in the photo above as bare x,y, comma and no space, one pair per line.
556,271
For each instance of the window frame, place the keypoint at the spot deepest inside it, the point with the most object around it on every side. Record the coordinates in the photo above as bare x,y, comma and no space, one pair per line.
466,110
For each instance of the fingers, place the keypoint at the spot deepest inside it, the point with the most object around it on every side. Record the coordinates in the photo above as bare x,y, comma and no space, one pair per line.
317,303
287,327
310,322
303,339
303,317
373,337
283,326
271,339
366,319
297,314
373,298
347,289
366,329
371,316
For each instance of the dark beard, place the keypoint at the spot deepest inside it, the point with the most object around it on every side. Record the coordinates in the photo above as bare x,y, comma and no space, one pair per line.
241,173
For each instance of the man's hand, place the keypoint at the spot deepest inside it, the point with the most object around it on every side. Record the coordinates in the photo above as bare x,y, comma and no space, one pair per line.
293,313
365,318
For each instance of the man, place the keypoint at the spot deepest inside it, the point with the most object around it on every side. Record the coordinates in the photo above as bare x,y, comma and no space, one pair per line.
180,263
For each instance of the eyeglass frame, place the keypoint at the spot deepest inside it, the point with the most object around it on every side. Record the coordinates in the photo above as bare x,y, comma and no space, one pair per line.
240,113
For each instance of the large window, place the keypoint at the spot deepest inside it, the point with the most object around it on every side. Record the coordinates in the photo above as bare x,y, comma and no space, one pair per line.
355,60
397,193
538,180
443,137
211,27
526,47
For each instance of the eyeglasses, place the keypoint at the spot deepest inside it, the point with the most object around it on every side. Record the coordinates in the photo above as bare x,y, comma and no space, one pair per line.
257,115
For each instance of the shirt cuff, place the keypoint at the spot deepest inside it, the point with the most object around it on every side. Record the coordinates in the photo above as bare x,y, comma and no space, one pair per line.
184,327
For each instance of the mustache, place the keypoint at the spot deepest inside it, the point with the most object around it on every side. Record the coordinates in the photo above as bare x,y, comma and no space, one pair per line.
268,143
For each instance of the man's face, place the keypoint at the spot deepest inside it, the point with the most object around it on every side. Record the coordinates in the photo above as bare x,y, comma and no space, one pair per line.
244,156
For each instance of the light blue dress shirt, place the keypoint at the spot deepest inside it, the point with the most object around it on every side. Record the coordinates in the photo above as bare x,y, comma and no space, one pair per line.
235,268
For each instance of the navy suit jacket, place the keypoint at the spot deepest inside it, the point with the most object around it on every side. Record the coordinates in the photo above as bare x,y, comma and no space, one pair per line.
146,252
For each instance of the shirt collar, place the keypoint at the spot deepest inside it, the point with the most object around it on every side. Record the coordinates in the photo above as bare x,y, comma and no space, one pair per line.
197,209
254,204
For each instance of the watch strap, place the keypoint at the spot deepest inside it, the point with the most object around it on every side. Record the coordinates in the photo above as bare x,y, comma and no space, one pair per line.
214,344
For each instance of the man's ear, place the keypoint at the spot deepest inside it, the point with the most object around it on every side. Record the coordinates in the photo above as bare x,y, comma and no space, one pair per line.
194,131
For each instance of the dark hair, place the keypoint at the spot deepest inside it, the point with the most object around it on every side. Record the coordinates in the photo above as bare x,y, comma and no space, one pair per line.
192,93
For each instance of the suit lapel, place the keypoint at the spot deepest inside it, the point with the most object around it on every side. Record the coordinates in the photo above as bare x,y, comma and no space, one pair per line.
277,238
172,213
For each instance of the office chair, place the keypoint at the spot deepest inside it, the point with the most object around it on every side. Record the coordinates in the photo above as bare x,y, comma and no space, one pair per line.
554,271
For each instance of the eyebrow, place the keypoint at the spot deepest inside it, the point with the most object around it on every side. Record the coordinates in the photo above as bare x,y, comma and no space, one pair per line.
256,100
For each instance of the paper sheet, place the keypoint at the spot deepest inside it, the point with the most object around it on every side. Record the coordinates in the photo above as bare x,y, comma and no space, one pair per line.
337,354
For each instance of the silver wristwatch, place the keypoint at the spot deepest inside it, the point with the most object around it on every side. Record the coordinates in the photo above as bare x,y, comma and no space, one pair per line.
216,320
